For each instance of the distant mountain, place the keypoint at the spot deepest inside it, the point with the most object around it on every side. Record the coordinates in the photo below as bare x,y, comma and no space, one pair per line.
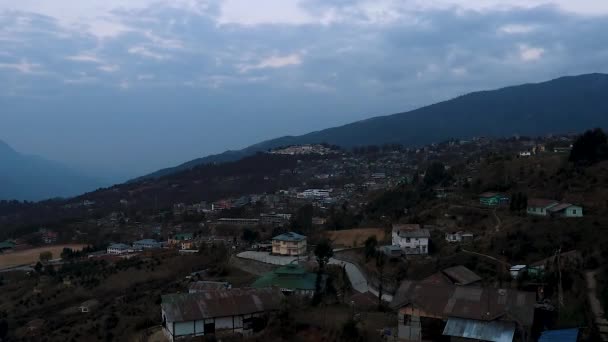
24,177
567,104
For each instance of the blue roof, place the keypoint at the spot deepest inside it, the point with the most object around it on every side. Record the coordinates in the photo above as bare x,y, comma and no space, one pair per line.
146,242
290,236
563,335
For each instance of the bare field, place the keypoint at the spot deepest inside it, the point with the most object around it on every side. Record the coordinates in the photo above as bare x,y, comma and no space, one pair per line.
354,237
30,256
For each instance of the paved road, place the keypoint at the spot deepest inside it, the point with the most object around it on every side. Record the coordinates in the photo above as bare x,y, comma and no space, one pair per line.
356,277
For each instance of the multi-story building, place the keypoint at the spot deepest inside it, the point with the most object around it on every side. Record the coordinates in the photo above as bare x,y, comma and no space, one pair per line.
411,238
289,244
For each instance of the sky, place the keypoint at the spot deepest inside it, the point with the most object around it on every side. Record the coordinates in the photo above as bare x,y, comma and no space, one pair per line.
123,88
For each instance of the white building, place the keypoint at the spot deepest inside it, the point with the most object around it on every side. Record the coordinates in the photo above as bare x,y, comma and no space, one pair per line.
218,312
459,237
118,248
411,238
315,194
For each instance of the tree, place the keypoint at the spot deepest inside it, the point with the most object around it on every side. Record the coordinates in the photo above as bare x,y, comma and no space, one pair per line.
435,174
323,252
46,256
3,329
303,218
590,148
250,236
370,247
380,263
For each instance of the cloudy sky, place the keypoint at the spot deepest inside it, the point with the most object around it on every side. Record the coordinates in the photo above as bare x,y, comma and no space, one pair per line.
127,87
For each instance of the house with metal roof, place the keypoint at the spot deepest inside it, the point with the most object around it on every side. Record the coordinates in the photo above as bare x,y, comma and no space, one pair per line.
562,335
411,239
291,244
290,279
493,199
118,248
428,311
202,286
146,244
548,207
6,245
222,312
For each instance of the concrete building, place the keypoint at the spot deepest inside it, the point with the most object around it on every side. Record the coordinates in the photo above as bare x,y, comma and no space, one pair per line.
459,236
146,244
223,312
411,239
548,207
118,249
290,244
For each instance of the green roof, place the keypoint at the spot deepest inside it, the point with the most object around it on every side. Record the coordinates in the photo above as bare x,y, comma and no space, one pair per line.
183,236
6,245
292,277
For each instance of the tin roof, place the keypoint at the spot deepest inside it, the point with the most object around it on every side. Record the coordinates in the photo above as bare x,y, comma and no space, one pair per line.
563,335
200,286
183,307
490,195
290,236
119,246
541,203
291,277
494,331
461,275
405,227
560,207
416,234
466,302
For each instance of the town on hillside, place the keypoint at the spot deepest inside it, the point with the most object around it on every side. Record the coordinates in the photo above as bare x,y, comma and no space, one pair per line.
484,239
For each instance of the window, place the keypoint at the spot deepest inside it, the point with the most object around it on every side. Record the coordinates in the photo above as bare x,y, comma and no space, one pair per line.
574,212
248,323
407,240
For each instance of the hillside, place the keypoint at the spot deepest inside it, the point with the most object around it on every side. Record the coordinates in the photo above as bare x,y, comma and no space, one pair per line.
24,177
562,105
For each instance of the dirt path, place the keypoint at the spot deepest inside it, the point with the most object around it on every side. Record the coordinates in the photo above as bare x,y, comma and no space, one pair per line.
498,221
596,306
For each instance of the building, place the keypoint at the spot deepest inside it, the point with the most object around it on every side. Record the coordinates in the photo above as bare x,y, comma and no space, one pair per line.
202,286
290,279
459,236
182,240
244,222
118,249
547,207
315,194
146,244
289,244
457,275
493,199
566,210
411,239
223,312
275,219
462,313
517,271
6,245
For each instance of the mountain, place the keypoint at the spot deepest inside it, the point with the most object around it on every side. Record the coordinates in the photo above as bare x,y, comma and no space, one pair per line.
567,104
24,177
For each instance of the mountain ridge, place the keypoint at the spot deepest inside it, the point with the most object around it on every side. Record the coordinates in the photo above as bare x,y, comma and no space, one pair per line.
550,106
30,177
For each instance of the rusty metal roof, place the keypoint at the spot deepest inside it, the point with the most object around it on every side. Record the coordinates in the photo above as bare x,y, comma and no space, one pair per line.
485,304
541,203
183,307
200,286
461,275
494,331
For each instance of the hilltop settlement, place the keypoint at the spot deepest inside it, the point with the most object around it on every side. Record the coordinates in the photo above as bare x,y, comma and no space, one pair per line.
486,239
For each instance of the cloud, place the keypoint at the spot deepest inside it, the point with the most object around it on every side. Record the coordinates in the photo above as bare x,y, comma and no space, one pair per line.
529,53
146,52
23,67
517,28
273,62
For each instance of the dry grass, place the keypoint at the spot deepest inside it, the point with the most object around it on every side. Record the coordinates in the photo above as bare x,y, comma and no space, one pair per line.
31,256
354,237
